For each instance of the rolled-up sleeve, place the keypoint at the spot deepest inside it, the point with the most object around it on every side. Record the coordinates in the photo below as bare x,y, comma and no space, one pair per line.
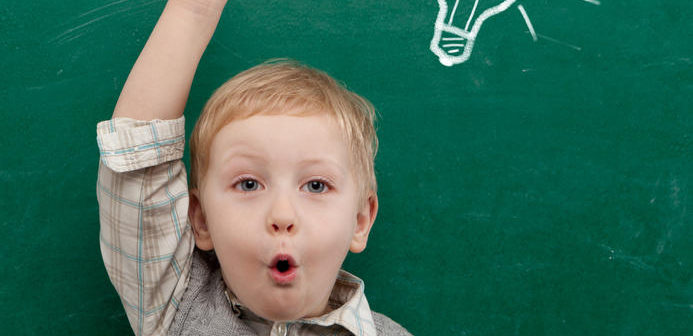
146,241
127,144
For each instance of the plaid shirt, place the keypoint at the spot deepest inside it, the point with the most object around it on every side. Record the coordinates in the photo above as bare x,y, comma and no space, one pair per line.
147,242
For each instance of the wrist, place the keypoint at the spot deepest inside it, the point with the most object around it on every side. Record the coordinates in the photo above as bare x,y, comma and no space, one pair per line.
204,8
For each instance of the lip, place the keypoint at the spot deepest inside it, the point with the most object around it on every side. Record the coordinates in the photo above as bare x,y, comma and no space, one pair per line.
286,277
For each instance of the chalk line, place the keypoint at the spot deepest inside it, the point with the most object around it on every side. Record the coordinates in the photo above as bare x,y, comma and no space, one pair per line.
454,9
560,42
528,22
466,27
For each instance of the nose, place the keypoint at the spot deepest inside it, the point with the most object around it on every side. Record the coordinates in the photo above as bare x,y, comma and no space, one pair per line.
282,216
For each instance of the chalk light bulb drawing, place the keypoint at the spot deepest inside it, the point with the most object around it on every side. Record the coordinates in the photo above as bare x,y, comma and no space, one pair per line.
452,42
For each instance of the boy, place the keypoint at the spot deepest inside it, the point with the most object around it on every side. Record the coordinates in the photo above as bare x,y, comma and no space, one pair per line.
282,187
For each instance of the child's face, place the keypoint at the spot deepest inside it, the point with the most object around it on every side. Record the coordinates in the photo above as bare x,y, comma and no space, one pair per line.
280,207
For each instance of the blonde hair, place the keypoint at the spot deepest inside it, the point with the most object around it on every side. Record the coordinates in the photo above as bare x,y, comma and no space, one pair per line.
284,86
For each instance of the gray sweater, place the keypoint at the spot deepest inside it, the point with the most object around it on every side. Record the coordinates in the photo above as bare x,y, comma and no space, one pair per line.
205,310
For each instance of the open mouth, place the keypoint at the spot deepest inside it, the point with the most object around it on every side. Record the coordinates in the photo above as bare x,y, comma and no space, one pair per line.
283,266
283,269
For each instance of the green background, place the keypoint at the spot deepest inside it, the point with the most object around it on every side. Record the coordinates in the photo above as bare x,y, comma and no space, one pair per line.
540,188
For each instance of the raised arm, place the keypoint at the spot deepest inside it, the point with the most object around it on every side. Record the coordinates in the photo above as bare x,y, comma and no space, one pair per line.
159,83
146,240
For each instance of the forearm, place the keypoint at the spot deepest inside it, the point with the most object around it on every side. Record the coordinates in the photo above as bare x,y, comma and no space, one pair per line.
159,82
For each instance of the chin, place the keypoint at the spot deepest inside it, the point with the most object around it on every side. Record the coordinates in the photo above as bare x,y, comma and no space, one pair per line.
281,316
280,313
286,309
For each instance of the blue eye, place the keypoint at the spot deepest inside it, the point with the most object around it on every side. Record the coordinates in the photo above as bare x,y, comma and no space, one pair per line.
247,185
315,187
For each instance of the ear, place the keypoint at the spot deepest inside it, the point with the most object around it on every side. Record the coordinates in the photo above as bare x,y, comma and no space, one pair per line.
364,223
199,223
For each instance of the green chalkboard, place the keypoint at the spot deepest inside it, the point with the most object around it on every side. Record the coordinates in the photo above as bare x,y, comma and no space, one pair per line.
537,182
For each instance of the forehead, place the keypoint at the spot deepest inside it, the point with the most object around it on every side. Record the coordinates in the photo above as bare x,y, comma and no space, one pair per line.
282,139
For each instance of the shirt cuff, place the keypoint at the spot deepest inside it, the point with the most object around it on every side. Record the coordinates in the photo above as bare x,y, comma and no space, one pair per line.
127,144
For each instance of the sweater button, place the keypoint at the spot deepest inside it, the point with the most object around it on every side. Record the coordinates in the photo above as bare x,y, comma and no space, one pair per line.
281,329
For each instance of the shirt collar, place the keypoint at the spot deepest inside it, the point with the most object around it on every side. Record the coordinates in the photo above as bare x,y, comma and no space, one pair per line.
350,307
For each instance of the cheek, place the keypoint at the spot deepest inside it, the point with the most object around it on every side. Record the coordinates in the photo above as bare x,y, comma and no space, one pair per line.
234,228
329,231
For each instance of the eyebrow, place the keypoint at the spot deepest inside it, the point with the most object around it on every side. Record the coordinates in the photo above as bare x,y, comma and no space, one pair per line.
333,166
242,152
235,154
230,159
319,162
335,171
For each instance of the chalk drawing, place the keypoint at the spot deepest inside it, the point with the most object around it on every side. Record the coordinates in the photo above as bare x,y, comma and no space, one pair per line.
453,43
